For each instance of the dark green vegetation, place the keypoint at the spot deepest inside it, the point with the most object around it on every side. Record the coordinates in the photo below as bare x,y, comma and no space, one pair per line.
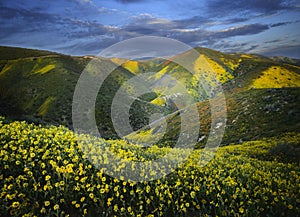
34,84
38,86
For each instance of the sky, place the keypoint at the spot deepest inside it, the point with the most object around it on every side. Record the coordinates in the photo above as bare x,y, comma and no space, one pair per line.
86,27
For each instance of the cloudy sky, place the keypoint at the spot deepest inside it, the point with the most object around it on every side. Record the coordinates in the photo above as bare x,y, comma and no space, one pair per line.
80,27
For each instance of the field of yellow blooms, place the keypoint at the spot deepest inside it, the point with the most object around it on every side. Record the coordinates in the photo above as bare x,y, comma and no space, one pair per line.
45,173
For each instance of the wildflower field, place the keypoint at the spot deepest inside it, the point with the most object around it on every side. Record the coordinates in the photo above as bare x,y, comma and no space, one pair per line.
45,173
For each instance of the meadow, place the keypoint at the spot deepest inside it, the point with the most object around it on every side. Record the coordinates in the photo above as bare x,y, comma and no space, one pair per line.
46,173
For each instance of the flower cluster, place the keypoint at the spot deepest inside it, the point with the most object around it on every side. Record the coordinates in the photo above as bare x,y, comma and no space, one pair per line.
46,172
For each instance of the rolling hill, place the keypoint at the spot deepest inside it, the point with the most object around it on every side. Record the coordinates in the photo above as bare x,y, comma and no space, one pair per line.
38,86
262,94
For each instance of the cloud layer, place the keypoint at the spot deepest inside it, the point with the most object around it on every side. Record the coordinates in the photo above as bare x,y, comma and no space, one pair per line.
84,27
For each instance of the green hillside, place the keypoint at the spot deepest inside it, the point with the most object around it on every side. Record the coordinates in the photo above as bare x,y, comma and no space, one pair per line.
262,96
38,86
251,115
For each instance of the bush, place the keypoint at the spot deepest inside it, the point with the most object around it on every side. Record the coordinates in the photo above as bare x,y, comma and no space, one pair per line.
286,152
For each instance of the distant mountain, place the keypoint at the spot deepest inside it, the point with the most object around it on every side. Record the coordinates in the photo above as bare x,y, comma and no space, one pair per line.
262,94
286,60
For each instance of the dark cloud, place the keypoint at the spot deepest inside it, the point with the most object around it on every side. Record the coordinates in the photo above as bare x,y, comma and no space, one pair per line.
216,39
246,7
185,29
280,24
21,20
247,50
224,45
274,41
82,29
242,30
235,20
130,1
25,15
141,30
90,36
192,22
73,30
36,29
191,29
7,13
147,25
16,21
290,51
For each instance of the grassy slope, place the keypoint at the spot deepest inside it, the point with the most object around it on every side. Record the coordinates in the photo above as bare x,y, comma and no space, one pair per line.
234,71
27,84
39,85
262,96
251,115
